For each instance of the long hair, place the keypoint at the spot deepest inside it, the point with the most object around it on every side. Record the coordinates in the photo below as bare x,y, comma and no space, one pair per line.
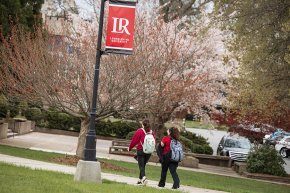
146,125
174,133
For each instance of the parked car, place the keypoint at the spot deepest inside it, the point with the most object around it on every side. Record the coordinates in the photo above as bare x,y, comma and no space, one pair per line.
283,146
254,133
234,146
276,136
272,140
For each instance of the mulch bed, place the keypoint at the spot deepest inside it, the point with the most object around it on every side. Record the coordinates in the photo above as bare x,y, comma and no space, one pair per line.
267,177
73,160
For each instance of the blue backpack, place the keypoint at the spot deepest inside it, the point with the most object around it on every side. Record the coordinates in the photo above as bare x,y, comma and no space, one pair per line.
176,151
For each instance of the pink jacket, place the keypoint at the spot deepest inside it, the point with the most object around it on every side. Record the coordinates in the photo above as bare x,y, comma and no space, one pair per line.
138,138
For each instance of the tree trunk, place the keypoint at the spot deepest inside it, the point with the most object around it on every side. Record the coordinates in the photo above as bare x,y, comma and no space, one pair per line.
157,125
82,137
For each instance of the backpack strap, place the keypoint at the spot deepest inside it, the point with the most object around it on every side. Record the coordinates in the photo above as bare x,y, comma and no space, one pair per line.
145,134
174,140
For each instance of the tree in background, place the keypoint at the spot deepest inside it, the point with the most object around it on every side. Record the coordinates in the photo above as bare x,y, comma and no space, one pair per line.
58,72
26,12
177,9
259,38
170,69
179,68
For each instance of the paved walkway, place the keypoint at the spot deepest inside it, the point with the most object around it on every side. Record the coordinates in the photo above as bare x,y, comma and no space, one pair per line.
71,170
68,144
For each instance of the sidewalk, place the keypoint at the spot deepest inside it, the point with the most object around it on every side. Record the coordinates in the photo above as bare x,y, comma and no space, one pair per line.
68,144
71,170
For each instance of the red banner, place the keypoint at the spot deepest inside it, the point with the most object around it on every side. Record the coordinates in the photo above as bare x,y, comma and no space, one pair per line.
120,27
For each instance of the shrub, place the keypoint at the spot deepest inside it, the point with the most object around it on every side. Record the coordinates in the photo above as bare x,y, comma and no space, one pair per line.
23,106
195,144
122,128
264,159
103,128
4,104
186,143
196,148
63,121
119,129
194,138
208,149
33,114
130,135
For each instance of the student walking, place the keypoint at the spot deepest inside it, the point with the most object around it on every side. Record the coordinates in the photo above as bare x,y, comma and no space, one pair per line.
169,161
145,140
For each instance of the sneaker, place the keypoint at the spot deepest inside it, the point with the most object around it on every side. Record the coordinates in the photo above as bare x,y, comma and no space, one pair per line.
161,185
175,187
139,182
144,181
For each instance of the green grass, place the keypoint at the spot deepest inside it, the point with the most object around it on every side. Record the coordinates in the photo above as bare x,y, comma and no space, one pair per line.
203,180
197,124
15,179
27,153
189,124
201,125
112,119
196,179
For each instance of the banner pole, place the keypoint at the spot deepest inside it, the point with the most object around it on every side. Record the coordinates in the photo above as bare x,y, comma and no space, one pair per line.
90,145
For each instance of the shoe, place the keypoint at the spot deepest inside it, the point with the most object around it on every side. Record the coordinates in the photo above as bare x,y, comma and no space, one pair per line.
139,182
161,185
144,181
175,187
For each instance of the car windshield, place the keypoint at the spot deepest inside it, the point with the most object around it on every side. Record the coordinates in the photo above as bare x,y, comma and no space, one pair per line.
238,143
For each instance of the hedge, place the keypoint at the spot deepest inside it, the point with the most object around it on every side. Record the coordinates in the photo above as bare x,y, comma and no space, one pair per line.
53,119
191,143
118,129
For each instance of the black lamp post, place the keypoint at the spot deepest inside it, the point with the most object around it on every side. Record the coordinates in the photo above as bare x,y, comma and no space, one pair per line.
90,146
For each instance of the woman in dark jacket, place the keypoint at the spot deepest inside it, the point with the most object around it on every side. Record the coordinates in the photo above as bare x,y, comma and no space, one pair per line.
173,133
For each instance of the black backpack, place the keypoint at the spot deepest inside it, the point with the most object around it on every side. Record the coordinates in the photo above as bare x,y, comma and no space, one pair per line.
159,151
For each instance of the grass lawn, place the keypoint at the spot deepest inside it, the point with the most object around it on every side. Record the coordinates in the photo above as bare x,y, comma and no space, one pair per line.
201,125
197,124
196,179
15,179
203,180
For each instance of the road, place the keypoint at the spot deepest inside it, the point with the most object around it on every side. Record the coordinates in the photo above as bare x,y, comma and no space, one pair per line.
287,166
214,137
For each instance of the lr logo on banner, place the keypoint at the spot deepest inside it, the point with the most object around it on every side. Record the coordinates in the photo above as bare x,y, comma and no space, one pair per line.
120,27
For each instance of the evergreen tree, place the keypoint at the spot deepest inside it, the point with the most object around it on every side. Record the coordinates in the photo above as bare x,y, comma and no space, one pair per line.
26,12
260,41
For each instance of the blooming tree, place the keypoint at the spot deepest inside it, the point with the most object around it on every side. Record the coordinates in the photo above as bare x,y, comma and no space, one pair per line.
178,68
172,68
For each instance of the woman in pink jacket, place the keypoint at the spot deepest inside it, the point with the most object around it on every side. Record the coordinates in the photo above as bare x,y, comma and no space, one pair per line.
142,158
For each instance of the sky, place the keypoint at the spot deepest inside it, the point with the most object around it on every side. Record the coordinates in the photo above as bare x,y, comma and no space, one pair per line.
86,9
